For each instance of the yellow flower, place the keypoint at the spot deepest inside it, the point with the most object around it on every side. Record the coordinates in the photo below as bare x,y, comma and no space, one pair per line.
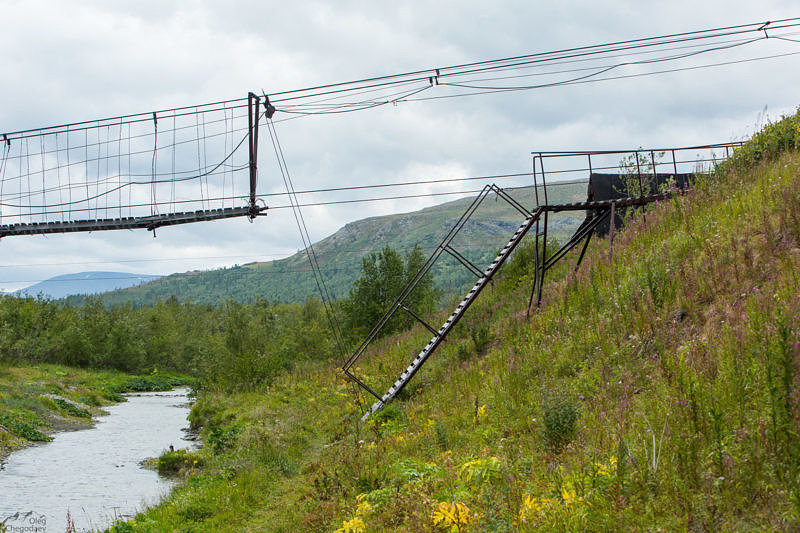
569,496
356,525
532,506
606,470
481,414
454,514
363,508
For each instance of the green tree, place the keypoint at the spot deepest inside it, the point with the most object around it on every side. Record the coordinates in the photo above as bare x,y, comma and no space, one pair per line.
383,277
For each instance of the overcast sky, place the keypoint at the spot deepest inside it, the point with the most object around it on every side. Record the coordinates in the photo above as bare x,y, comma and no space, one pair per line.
80,60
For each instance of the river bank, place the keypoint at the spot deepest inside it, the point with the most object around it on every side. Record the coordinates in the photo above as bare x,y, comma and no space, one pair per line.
88,480
40,400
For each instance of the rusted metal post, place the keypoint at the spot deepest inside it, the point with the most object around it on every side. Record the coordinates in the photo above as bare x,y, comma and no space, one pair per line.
655,173
544,186
639,175
611,231
544,261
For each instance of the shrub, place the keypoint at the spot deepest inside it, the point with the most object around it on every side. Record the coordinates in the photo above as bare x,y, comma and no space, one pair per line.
21,429
171,463
71,409
221,439
144,384
481,337
560,415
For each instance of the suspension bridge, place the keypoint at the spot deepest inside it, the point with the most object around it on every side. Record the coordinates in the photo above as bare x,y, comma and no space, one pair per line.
200,163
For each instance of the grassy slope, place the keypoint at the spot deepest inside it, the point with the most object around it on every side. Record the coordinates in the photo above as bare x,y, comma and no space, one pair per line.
681,356
290,280
30,409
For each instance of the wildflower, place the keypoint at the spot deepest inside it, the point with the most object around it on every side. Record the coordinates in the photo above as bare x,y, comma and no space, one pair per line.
606,470
533,506
570,496
479,470
481,413
363,508
452,515
356,525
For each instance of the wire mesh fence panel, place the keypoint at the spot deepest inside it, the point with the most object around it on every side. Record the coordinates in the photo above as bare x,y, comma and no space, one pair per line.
177,161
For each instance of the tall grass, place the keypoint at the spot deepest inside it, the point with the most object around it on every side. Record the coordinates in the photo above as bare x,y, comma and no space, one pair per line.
654,391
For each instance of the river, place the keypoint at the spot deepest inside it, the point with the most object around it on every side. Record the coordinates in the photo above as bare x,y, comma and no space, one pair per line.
94,473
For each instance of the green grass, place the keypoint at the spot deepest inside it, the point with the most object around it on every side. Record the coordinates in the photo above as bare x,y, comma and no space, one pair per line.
657,391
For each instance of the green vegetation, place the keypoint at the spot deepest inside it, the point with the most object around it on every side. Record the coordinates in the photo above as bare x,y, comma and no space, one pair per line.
654,391
231,345
384,276
178,462
657,391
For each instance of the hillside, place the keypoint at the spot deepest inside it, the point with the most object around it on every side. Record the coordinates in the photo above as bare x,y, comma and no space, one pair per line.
84,283
290,279
657,391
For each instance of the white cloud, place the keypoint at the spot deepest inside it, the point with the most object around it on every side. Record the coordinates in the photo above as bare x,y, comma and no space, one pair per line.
67,61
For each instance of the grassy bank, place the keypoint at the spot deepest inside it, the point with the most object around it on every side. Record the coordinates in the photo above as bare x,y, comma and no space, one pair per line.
655,390
36,401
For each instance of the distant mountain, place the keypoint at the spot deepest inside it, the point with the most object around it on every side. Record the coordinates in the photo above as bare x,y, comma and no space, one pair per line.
84,283
339,255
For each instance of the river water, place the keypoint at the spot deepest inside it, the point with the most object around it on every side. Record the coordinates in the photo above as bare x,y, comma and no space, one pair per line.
94,473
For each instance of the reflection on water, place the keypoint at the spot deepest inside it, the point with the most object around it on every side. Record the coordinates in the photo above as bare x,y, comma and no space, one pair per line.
94,473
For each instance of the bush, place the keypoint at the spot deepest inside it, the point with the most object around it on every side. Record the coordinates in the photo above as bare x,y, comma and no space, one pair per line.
481,337
560,415
71,409
21,429
144,384
173,462
221,439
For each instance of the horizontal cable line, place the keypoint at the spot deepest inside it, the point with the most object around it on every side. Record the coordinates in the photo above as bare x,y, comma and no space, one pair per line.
335,189
121,140
600,69
540,59
146,116
244,198
253,258
586,60
336,202
650,41
453,70
596,80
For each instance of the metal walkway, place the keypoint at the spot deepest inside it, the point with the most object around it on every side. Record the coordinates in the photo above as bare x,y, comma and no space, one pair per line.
145,222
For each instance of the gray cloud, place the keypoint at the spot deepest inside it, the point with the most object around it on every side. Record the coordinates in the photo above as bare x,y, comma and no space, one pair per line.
82,60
